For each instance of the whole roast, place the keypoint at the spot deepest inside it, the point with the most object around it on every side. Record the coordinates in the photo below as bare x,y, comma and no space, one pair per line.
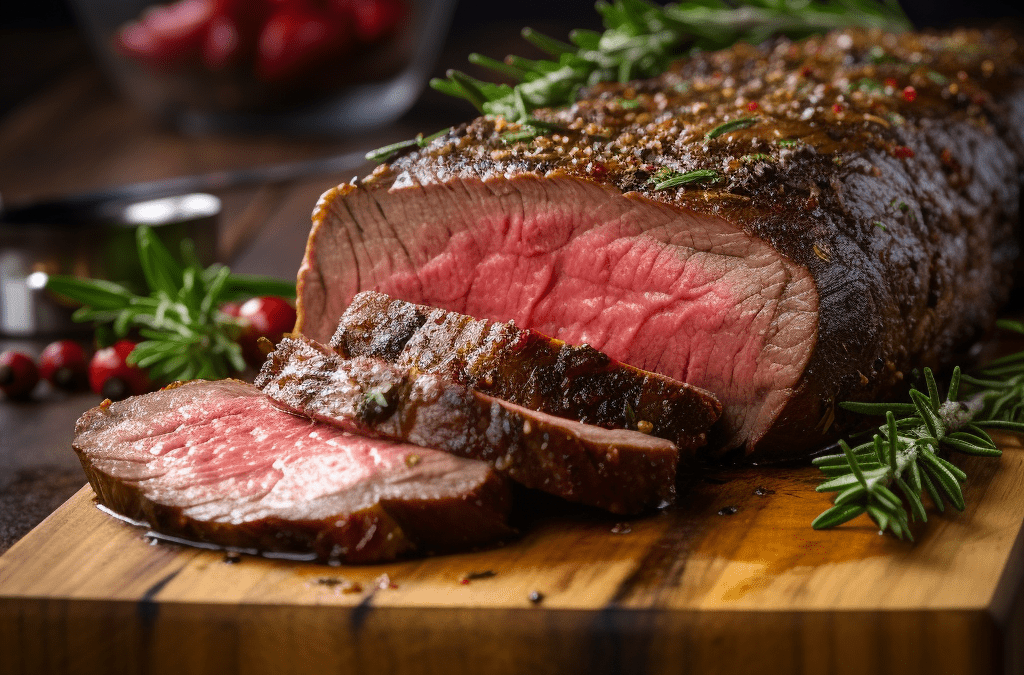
787,226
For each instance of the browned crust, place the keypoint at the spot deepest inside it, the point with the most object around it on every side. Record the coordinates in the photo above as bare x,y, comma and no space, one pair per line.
527,368
617,470
901,205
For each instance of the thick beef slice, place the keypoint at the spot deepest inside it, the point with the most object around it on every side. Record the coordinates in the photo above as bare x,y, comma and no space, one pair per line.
218,462
854,229
615,469
526,368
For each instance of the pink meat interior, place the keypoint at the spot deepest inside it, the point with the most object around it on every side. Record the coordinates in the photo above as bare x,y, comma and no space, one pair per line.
661,288
237,459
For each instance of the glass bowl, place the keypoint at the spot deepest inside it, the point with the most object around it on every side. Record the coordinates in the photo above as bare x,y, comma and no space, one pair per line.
307,67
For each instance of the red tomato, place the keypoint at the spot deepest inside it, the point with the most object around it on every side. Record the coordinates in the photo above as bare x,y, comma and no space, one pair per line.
233,32
18,374
231,308
110,375
297,39
63,364
372,19
137,41
168,34
223,44
180,28
268,317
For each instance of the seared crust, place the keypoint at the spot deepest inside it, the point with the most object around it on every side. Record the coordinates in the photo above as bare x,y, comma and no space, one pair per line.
614,469
887,165
527,368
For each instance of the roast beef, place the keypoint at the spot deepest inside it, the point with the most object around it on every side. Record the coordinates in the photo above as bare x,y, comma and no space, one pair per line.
618,470
851,221
527,368
218,462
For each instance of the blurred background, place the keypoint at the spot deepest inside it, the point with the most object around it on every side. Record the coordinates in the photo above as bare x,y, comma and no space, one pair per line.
265,108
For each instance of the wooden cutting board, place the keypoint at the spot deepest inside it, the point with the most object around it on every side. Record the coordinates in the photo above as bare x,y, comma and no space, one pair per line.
734,580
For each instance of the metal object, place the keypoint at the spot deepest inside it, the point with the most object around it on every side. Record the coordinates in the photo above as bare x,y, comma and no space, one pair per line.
96,240
91,205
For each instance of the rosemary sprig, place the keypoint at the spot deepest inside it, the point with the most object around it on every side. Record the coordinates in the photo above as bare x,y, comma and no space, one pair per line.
186,334
1000,386
640,39
905,457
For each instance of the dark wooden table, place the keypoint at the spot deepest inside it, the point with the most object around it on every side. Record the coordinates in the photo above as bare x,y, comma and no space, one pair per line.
75,134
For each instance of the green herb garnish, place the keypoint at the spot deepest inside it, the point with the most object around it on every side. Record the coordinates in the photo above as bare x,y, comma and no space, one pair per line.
667,178
867,84
421,141
186,334
377,396
879,55
905,457
640,39
731,125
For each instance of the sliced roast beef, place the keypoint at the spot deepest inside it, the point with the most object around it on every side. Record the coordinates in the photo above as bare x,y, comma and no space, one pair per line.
218,462
615,469
527,368
787,226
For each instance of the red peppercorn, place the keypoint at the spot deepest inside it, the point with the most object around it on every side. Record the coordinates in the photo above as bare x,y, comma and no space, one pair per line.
838,108
18,375
63,364
909,94
891,82
268,317
752,106
112,377
598,170
806,71
902,152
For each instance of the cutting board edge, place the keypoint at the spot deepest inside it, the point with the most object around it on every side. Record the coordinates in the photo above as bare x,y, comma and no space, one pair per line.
108,635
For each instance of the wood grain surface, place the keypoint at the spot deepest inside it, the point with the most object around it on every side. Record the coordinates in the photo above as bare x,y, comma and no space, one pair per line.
690,590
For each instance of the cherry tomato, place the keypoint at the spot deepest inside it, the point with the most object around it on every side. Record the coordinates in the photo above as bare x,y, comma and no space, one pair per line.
168,34
222,46
268,317
297,39
110,375
232,33
63,364
18,375
231,308
376,19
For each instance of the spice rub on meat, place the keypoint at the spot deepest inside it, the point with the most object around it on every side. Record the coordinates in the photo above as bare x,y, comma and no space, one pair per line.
851,218
614,469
